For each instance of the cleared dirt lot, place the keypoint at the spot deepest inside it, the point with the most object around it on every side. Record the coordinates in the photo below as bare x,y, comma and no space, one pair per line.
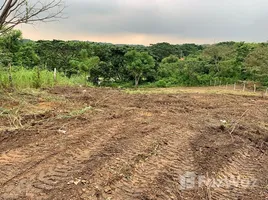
88,143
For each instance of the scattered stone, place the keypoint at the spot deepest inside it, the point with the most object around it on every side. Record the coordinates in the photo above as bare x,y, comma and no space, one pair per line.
75,182
108,190
223,121
62,131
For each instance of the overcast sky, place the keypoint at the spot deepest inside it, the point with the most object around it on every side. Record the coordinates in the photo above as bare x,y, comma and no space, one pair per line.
152,21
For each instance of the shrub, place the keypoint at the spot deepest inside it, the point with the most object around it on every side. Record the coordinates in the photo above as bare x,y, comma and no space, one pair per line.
161,83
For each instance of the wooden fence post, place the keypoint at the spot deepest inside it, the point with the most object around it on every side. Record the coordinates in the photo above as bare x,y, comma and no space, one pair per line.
244,88
55,74
254,88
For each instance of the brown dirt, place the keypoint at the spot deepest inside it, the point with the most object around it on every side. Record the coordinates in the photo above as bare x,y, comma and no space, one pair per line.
98,144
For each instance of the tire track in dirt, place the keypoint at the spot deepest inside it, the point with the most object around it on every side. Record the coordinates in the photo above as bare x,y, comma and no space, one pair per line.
229,159
127,162
131,146
51,174
159,175
14,162
6,167
125,145
133,149
242,176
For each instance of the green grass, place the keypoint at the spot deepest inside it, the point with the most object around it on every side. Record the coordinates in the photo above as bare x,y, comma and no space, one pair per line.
24,78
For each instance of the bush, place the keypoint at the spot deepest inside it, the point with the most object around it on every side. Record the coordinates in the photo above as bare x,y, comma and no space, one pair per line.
161,83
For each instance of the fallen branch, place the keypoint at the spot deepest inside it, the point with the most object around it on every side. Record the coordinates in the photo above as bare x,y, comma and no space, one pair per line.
237,122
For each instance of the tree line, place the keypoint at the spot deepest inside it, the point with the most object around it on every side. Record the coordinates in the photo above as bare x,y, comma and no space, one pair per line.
161,64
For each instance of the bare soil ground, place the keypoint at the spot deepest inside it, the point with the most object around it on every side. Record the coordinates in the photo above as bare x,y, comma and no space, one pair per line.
100,144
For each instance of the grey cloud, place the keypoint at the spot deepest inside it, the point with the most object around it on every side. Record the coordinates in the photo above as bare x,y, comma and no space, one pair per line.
91,7
227,20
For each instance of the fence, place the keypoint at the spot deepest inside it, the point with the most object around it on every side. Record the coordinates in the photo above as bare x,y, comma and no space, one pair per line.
242,86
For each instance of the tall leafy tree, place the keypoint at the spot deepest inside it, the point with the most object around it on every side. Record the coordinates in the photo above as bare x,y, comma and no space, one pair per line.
169,67
26,56
215,54
85,63
138,63
242,51
163,50
257,64
9,46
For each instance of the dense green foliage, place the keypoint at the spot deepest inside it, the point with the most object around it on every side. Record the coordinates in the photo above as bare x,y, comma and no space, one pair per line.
139,64
159,64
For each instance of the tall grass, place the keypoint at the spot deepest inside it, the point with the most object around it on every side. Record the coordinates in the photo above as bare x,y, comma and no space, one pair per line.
35,78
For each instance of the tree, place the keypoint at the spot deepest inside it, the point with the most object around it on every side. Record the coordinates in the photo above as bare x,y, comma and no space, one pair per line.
169,67
242,51
257,64
15,12
163,50
103,70
217,53
138,64
117,60
220,60
187,49
9,46
170,59
85,63
27,56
